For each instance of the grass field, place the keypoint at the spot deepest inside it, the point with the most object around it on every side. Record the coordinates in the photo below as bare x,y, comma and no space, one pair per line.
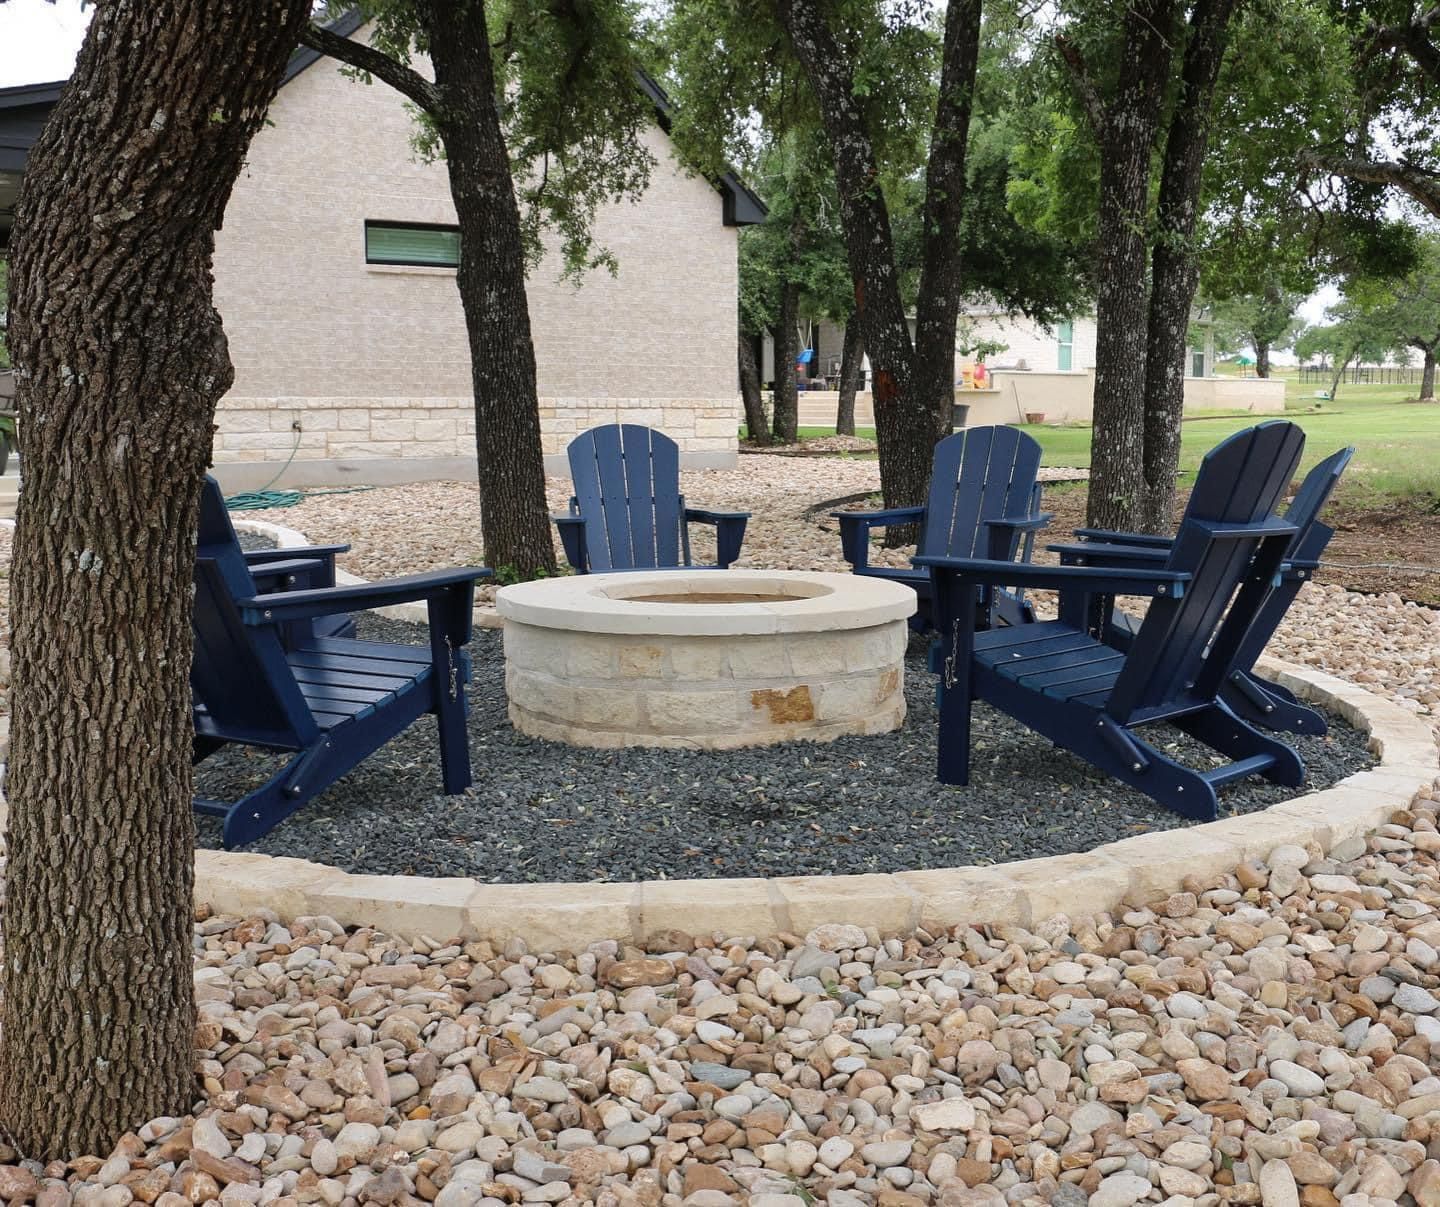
1397,442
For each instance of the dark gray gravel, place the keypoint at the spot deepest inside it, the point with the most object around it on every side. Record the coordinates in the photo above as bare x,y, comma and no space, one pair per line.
541,811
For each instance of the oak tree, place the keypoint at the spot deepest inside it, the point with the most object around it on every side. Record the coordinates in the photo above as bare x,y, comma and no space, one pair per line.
120,359
539,121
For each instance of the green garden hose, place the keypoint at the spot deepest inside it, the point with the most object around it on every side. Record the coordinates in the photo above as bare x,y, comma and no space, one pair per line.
264,499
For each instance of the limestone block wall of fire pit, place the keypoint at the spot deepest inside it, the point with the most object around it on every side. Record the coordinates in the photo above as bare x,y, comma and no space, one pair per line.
711,660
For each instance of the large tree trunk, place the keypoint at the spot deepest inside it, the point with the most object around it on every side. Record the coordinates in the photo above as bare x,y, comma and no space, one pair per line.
911,382
756,424
1174,272
937,306
1126,130
1262,358
1427,376
513,513
852,355
122,359
904,429
786,416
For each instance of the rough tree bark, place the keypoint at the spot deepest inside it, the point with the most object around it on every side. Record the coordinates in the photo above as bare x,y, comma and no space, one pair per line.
937,304
120,361
1125,128
756,423
1262,357
1427,349
785,418
910,410
852,354
1174,269
461,101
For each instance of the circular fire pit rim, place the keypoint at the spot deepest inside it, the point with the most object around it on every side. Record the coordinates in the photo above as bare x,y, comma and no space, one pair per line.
584,603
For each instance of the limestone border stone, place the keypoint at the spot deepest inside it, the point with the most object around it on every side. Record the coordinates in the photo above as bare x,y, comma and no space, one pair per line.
556,917
566,917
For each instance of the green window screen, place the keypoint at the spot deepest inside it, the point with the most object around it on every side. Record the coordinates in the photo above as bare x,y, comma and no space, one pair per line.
426,246
1065,350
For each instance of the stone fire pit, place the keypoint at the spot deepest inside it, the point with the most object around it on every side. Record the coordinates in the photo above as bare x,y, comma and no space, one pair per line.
707,659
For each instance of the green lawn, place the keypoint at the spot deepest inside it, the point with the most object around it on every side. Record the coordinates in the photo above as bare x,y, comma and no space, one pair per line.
1397,443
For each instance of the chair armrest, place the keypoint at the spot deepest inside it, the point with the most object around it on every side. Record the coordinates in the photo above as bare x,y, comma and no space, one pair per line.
255,557
729,531
1109,537
1097,553
1023,522
1093,579
855,530
882,519
702,515
572,539
327,601
290,566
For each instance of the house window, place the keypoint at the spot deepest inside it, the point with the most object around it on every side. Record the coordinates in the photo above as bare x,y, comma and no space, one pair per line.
1065,349
420,244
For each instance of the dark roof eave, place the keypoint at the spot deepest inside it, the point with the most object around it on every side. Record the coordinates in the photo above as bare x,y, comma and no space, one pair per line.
741,204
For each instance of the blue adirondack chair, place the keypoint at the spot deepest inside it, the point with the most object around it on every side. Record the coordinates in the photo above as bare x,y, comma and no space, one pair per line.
1090,698
627,512
304,568
1256,699
259,678
984,502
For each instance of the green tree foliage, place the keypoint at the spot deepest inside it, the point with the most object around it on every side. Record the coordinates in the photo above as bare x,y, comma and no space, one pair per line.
1388,142
1265,322
1403,312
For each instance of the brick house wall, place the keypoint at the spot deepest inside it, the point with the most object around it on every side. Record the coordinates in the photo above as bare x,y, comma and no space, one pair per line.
372,361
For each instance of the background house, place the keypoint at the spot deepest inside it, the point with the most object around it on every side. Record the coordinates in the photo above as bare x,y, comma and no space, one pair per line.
1044,370
334,274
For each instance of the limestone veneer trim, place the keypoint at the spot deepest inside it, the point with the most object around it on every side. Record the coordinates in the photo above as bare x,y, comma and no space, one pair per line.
565,917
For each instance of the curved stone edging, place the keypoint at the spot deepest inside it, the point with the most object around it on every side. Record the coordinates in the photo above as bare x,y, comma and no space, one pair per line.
556,917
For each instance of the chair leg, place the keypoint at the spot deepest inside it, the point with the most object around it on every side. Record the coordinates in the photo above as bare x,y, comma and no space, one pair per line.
257,813
452,672
955,608
1267,704
454,741
1221,730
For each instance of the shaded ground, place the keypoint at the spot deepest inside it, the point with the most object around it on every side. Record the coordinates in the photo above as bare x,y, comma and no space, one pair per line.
542,811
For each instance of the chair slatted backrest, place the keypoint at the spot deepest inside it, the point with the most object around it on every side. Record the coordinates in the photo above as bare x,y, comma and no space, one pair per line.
239,672
627,488
1239,485
978,474
1314,493
1305,548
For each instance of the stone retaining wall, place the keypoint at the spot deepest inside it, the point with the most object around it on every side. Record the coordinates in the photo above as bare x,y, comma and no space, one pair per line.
415,439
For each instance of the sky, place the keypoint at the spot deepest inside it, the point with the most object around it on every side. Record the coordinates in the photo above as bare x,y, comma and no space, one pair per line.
38,41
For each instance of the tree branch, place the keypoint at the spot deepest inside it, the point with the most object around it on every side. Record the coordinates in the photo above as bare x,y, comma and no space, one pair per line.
365,58
1083,84
1419,183
1414,39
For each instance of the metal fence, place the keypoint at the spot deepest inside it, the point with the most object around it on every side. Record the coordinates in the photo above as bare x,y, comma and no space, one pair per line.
1361,375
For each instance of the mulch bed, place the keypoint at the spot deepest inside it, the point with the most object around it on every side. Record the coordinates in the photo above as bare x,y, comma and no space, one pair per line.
540,811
